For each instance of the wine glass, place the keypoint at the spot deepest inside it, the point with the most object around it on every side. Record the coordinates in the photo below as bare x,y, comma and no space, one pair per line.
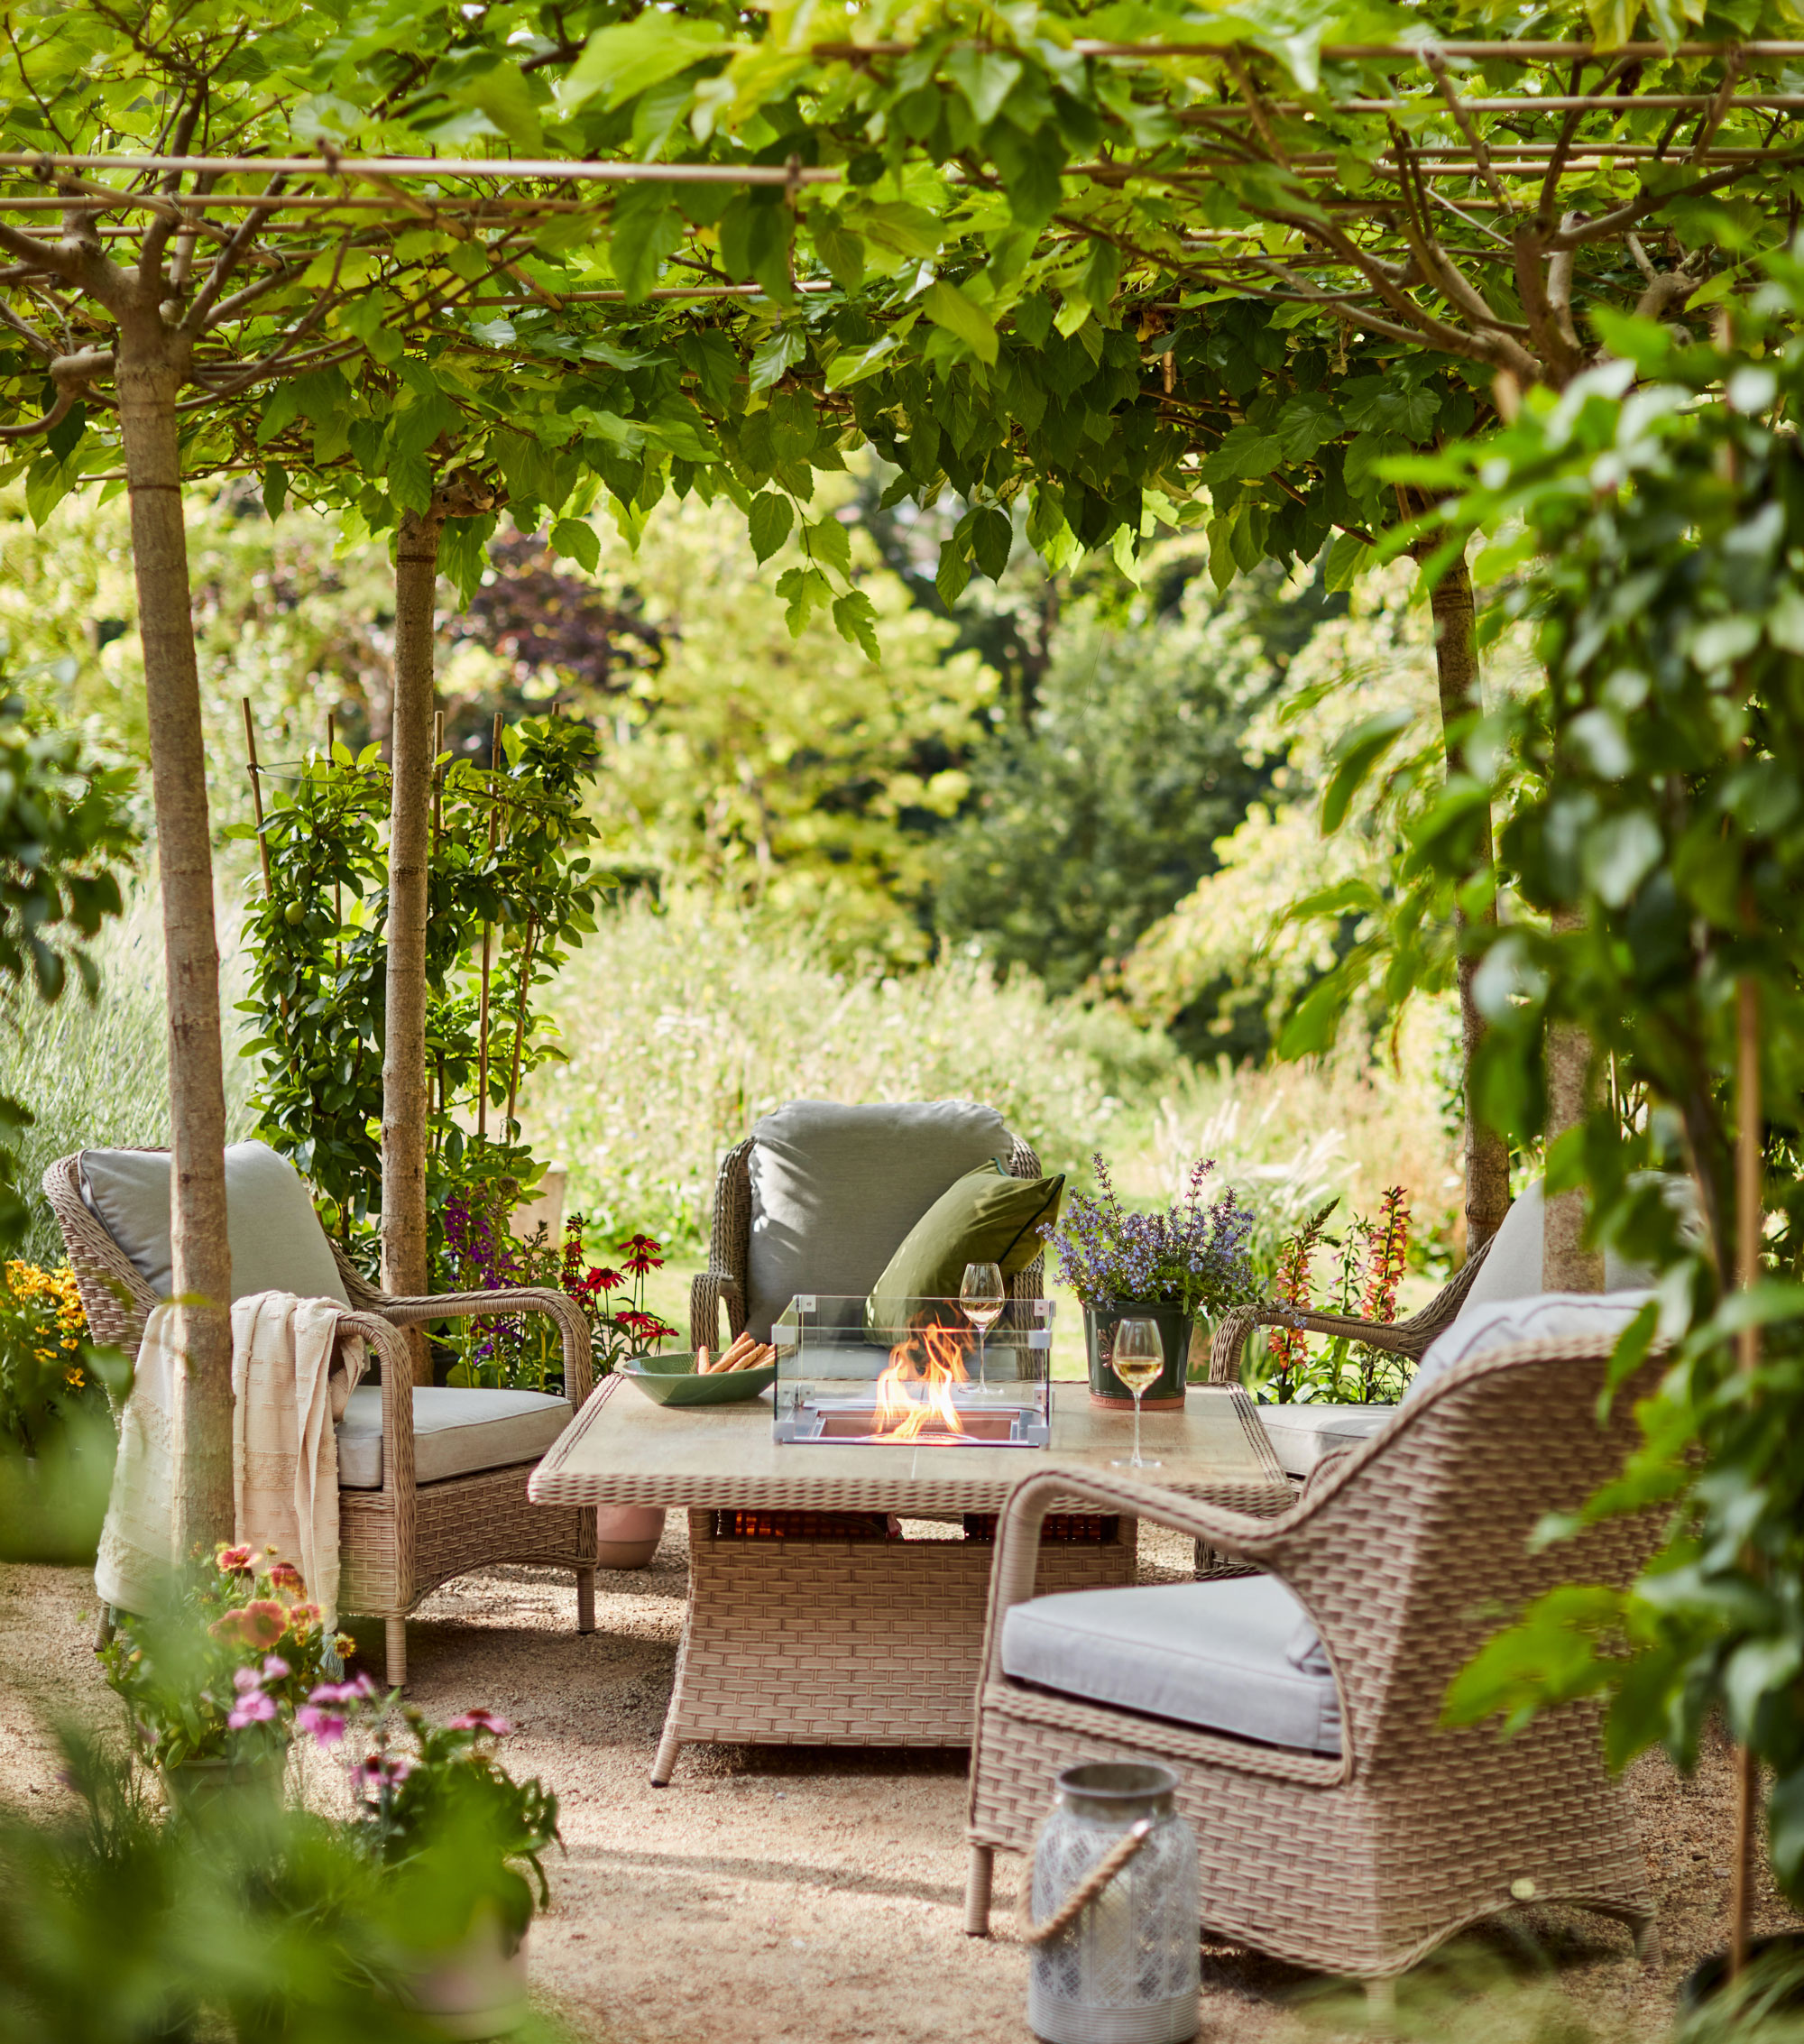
1137,1357
982,1297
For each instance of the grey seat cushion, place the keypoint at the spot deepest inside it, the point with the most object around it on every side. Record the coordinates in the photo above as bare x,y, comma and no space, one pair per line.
275,1237
1239,1656
1303,1435
834,1189
454,1432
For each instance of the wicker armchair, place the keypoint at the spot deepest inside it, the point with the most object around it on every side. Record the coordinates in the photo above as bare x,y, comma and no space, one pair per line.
723,1282
1360,1860
402,1540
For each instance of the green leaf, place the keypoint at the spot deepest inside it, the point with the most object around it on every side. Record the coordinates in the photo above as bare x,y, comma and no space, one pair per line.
952,573
947,306
1243,451
1618,853
275,488
627,57
779,351
856,617
985,76
1348,558
992,540
1358,752
576,539
504,96
804,590
769,522
827,540
648,227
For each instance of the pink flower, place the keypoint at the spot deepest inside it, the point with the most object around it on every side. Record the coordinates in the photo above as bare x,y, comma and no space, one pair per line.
481,1720
357,1691
233,1561
384,1770
303,1617
286,1576
244,1678
253,1709
275,1668
327,1726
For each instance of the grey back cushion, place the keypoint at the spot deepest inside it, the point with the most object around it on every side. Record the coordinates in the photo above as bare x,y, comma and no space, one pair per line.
1513,1268
834,1189
275,1237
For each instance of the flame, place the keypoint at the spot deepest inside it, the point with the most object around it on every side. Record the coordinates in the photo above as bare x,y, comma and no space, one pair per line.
930,1358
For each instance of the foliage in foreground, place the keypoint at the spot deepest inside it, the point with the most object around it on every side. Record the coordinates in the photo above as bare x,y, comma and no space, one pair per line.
1652,800
259,1926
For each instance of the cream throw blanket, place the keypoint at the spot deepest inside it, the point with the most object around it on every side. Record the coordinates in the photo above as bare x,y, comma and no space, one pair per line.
289,1385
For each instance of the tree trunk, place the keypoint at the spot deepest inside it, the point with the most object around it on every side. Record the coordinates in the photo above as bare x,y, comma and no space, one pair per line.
406,1102
1566,1264
1456,659
147,383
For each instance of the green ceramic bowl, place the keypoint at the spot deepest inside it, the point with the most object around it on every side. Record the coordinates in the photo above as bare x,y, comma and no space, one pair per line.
679,1385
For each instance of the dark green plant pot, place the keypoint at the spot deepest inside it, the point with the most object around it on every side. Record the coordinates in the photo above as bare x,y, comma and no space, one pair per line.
1167,1392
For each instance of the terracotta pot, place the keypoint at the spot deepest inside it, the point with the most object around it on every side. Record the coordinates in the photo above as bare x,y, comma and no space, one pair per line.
473,1989
627,1535
199,1788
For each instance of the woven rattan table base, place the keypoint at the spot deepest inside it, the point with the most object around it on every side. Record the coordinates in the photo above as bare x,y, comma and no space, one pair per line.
838,1640
846,1641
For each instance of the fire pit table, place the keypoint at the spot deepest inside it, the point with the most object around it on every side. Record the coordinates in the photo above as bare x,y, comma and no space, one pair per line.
814,1618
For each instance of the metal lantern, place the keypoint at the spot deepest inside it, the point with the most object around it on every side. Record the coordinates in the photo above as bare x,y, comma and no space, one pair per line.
1116,1898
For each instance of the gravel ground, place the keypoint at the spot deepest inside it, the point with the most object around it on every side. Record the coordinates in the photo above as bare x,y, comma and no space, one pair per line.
775,1895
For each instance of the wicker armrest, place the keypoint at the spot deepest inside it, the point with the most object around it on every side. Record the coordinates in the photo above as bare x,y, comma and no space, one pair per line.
1237,1535
573,1323
1410,1337
1400,1338
392,1352
707,1294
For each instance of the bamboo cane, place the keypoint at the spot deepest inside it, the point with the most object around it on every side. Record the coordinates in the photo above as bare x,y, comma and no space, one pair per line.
257,811
437,831
482,1013
1748,1217
519,1015
338,901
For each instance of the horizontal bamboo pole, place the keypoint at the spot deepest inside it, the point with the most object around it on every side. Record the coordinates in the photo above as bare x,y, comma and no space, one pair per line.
1528,103
1375,52
577,170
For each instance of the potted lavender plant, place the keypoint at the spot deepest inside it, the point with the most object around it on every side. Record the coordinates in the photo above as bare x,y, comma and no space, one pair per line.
1175,1268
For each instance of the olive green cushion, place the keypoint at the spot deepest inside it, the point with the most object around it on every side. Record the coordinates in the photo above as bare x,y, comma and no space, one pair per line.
986,1217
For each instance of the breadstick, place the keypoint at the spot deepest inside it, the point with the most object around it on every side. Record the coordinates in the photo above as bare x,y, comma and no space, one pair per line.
737,1354
703,1366
757,1359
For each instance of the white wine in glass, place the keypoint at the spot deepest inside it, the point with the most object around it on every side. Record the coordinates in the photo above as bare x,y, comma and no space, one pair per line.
1137,1357
982,1295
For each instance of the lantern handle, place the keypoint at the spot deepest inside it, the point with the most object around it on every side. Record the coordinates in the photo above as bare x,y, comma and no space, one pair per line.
1087,1889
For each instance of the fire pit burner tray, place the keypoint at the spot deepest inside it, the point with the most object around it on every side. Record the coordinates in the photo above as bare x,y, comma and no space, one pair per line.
929,1381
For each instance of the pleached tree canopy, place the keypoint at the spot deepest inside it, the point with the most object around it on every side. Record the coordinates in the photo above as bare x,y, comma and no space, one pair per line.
1094,272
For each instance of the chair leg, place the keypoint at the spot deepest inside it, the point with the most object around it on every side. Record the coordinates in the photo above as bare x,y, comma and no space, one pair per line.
664,1765
394,1652
1647,1949
977,1891
103,1628
586,1601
